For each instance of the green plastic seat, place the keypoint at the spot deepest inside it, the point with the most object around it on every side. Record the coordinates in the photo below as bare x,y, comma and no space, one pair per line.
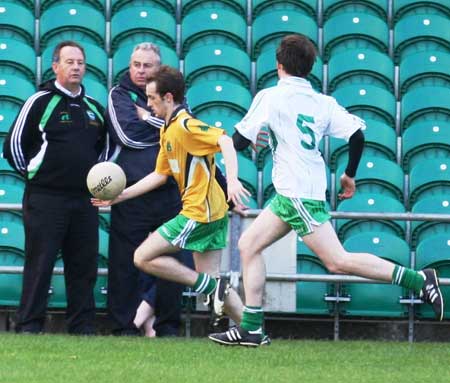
217,63
423,69
16,22
101,286
373,299
420,101
412,29
142,23
334,7
267,6
8,113
370,203
15,89
267,75
12,234
222,117
377,175
269,28
96,62
10,50
378,66
425,140
428,178
211,93
380,141
439,204
237,6
57,297
340,30
104,221
11,193
78,22
96,90
8,177
167,5
96,4
404,7
433,252
248,174
213,26
378,100
10,284
121,59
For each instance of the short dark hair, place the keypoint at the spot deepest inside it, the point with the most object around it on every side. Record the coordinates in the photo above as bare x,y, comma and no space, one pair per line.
169,80
297,54
61,45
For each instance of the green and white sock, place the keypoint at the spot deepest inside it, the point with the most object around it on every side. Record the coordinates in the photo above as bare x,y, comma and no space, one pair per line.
252,318
205,284
408,278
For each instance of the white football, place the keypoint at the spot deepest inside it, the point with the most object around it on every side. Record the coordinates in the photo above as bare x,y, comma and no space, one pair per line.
106,180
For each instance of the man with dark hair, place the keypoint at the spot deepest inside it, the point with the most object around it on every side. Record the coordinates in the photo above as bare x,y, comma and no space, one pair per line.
187,148
137,300
56,138
297,118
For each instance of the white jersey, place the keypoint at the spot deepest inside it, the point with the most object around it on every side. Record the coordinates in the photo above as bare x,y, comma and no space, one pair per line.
297,118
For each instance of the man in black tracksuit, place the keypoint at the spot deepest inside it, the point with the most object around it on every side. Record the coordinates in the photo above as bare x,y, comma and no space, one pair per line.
56,138
135,131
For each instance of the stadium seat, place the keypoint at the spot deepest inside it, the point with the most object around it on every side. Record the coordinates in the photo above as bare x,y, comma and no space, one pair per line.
269,28
429,178
216,62
121,59
425,140
424,7
267,75
104,221
370,203
12,234
433,252
96,90
167,5
425,68
221,116
97,4
8,113
16,22
365,66
10,51
311,295
334,7
101,285
380,141
15,89
96,62
11,193
374,299
267,6
424,229
354,30
213,26
57,291
78,22
413,29
372,98
377,175
10,284
237,6
204,95
133,25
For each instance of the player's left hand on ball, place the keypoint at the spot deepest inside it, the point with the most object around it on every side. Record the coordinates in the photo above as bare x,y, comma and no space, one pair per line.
236,192
101,203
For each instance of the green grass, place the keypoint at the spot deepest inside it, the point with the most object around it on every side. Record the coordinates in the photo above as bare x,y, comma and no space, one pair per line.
66,359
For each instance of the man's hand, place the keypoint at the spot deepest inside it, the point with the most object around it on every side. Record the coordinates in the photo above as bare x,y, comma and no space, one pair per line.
348,187
242,210
142,113
236,192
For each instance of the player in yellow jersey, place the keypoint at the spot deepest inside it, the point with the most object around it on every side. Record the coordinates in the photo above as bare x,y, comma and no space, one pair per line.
187,148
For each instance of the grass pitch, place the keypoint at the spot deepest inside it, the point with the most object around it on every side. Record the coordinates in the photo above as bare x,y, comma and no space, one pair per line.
67,359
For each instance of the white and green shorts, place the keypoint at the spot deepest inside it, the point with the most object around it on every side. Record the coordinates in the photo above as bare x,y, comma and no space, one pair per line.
300,213
196,236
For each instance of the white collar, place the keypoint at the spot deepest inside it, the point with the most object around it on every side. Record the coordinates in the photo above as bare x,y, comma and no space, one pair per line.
66,91
289,80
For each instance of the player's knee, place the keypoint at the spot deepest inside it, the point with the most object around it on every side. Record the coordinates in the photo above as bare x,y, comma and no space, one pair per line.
245,246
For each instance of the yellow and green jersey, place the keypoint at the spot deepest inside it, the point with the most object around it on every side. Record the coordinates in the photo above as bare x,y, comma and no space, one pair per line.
187,153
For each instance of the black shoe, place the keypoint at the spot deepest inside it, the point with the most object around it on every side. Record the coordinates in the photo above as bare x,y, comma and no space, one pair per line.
217,303
431,293
237,336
